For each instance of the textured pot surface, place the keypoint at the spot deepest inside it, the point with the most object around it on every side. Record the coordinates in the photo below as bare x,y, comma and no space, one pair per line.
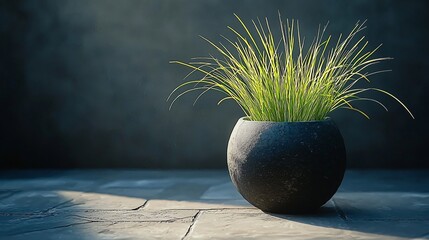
286,167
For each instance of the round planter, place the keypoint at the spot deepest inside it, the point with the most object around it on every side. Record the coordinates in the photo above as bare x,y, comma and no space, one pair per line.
286,167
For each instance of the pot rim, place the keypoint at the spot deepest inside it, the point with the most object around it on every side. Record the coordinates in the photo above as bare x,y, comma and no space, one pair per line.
327,119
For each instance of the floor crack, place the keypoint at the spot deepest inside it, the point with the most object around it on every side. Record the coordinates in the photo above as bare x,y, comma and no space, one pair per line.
8,193
191,227
99,219
140,207
56,206
45,229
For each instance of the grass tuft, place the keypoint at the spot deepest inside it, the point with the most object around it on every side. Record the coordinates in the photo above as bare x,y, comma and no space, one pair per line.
281,80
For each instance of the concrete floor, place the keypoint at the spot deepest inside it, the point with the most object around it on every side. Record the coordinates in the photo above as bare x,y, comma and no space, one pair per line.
119,204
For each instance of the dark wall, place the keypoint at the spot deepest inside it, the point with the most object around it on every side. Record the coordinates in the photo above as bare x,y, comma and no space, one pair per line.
84,83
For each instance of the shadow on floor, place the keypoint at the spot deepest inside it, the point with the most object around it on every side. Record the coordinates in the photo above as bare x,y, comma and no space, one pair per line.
94,204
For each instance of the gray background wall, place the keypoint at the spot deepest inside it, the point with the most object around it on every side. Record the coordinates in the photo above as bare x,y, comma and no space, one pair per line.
84,83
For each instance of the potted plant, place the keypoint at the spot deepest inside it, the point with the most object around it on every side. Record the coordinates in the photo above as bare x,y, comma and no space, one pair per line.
286,155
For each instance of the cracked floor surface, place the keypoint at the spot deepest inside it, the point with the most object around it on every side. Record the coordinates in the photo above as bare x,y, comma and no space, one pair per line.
140,204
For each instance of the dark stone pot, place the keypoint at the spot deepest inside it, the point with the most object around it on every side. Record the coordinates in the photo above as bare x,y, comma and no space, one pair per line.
286,167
